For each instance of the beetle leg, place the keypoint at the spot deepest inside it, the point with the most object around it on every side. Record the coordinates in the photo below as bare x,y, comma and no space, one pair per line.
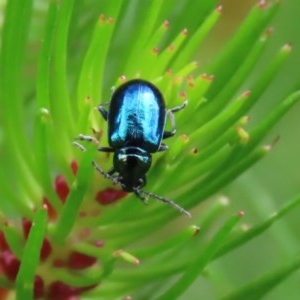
111,172
82,148
170,115
163,147
87,138
92,139
105,149
103,111
168,134
138,190
112,90
179,107
142,197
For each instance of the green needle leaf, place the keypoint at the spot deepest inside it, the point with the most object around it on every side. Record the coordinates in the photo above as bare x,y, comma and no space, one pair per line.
201,260
31,256
80,185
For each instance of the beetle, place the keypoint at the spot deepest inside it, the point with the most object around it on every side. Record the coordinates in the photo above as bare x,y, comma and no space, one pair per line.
136,119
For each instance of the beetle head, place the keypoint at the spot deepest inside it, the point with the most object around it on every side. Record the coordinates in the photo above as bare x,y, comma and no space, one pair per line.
132,164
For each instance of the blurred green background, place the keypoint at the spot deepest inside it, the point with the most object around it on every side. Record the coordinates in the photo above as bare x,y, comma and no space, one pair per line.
275,179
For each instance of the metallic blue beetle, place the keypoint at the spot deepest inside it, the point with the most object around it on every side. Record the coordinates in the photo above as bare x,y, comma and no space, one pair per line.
136,120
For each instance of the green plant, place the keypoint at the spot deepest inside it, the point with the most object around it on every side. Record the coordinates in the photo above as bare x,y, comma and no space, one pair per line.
65,231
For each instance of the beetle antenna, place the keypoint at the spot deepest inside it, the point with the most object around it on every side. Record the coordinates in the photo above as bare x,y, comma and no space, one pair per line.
114,179
97,167
142,194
